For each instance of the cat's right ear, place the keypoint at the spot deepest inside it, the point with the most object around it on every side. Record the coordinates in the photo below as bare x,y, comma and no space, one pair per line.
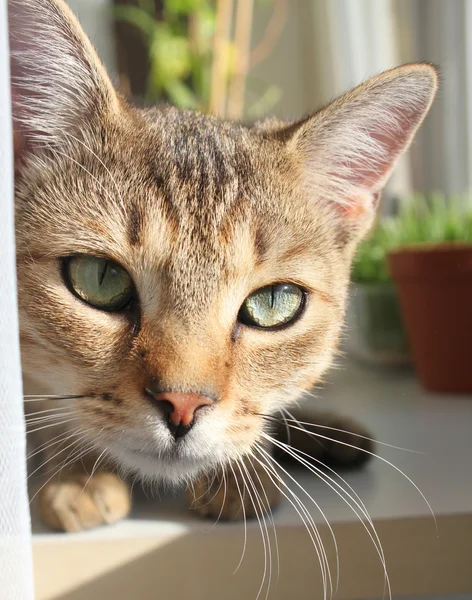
58,84
345,153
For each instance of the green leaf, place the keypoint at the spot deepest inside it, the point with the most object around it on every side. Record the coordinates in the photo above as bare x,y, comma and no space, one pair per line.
181,95
137,17
265,103
182,7
170,54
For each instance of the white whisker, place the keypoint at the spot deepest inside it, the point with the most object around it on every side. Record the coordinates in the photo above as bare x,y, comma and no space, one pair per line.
94,468
266,529
258,517
244,518
58,470
354,497
51,425
321,513
287,428
302,512
292,419
45,411
270,515
327,570
339,490
74,456
210,485
49,418
224,497
52,442
359,449
41,466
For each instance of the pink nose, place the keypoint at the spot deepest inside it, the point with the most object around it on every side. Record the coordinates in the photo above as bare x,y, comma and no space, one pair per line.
180,407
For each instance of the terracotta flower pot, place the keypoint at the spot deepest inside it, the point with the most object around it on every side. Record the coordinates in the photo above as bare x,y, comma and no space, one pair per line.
434,285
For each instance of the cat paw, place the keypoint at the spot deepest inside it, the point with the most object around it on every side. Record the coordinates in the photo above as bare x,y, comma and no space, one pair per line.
66,505
350,445
334,440
232,497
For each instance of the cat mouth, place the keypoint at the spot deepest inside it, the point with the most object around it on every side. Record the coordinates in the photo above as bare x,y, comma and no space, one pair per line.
170,454
178,452
160,456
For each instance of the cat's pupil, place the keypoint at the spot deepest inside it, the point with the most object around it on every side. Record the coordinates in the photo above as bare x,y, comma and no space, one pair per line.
104,272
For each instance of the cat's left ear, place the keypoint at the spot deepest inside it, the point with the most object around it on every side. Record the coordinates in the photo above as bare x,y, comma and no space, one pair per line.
346,152
58,84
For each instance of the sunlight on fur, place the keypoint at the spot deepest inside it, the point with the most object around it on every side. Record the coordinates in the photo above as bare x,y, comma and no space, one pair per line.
183,280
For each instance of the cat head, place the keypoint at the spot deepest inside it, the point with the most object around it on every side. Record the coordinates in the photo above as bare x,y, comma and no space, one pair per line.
185,275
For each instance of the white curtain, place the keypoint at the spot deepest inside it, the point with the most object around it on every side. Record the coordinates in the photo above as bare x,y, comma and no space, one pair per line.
16,579
328,46
359,39
441,32
364,37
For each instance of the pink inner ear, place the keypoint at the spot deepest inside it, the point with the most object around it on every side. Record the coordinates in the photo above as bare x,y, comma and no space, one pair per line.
367,170
356,207
19,138
17,145
370,169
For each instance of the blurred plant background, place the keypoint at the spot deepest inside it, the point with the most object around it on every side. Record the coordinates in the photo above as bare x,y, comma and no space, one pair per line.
419,220
376,330
196,53
178,40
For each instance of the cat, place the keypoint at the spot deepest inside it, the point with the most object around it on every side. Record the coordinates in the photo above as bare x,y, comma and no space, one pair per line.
181,278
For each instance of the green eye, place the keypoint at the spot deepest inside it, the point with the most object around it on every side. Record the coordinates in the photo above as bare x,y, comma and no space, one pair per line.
272,306
99,282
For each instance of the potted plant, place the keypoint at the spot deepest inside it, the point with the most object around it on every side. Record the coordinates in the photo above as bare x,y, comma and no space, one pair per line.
432,270
375,328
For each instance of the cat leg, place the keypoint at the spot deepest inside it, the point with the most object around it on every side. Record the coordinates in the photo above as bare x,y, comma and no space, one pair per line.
75,501
334,440
239,492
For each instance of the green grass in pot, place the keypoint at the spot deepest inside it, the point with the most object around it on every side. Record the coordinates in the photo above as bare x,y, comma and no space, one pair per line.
370,264
434,219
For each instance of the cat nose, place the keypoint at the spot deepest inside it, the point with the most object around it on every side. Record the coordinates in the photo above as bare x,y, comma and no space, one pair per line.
179,409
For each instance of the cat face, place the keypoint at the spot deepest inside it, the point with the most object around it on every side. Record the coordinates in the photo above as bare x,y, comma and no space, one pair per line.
184,275
207,217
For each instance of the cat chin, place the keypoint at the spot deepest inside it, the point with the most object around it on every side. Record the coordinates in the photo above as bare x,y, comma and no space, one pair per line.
168,471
